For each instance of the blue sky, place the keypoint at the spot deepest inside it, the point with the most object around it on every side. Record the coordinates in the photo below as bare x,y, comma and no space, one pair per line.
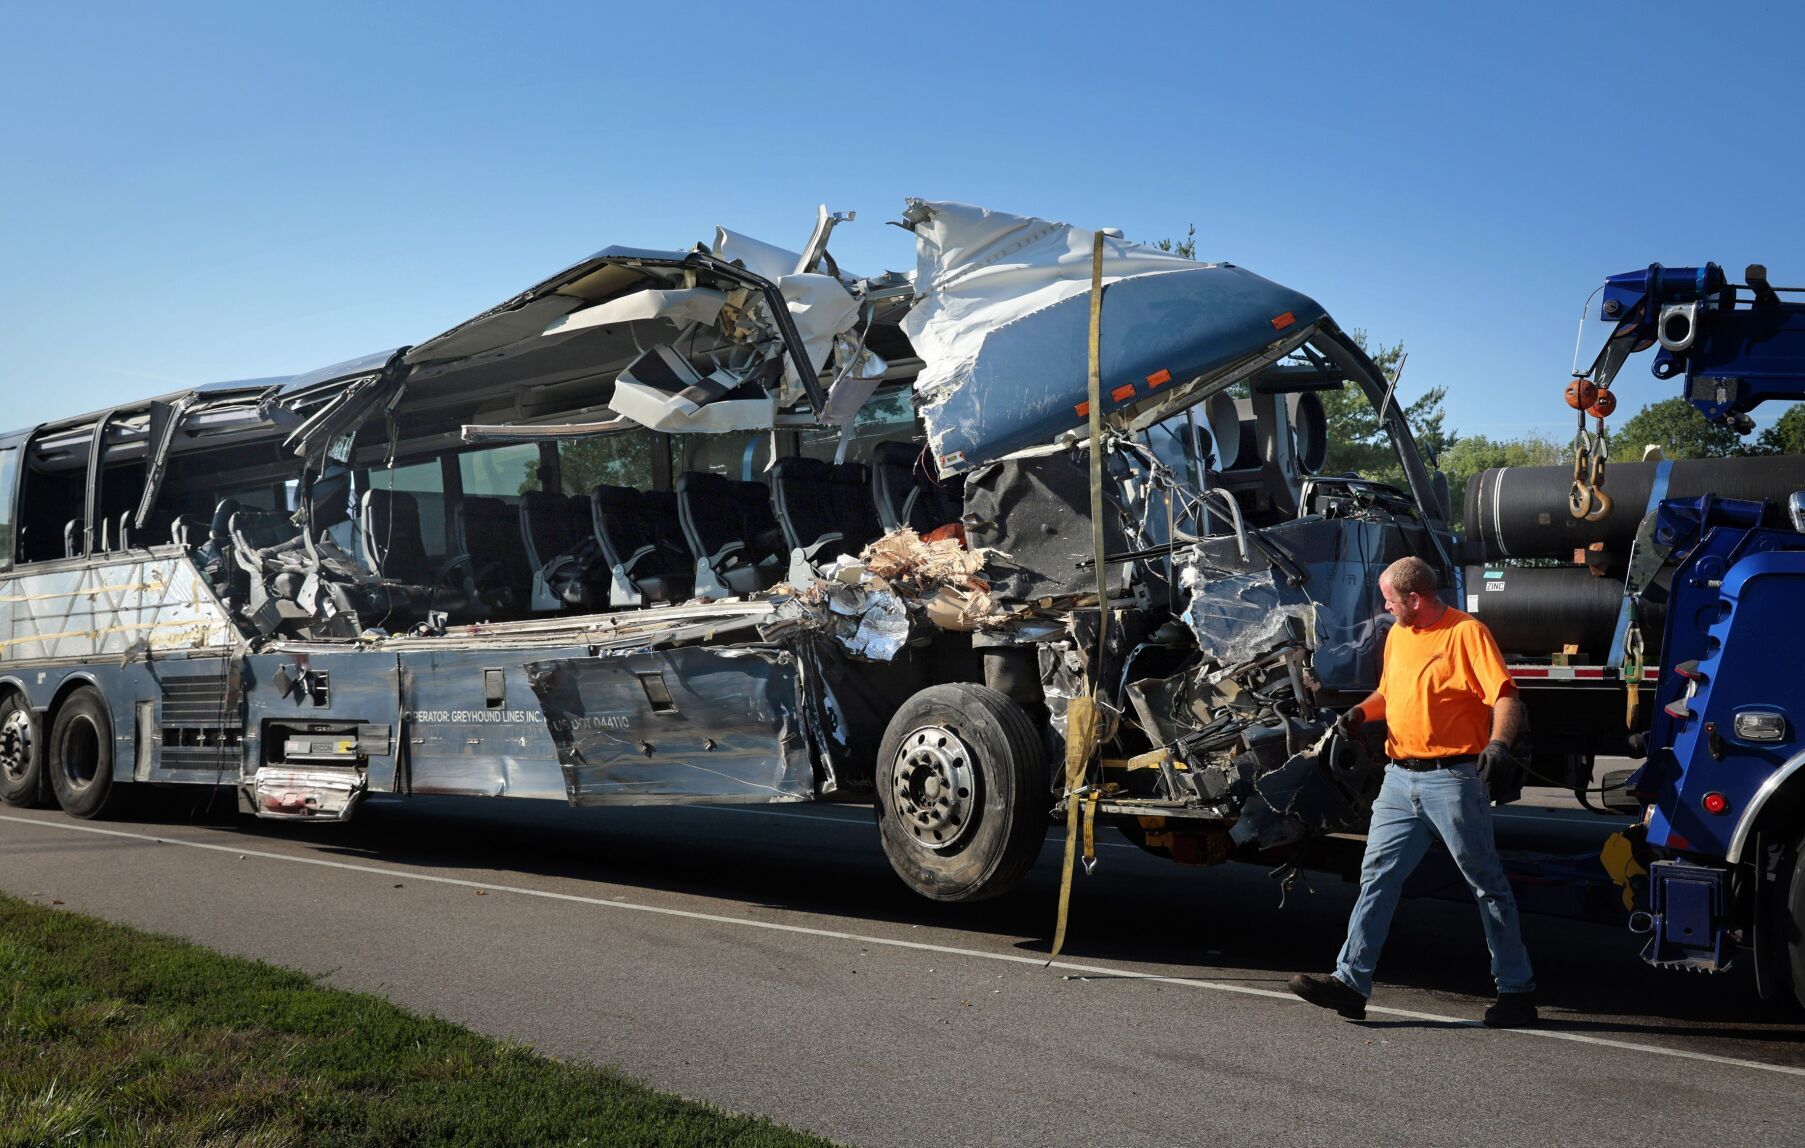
211,192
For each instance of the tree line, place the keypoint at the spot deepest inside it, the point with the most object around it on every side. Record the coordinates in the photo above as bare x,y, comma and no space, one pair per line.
1357,443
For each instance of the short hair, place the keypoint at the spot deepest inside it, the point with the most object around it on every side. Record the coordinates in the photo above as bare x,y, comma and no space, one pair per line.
1411,576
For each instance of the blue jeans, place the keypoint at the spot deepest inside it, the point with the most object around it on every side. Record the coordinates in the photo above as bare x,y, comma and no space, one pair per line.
1452,804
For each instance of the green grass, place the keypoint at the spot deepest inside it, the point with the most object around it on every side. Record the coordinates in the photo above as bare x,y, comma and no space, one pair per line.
109,1035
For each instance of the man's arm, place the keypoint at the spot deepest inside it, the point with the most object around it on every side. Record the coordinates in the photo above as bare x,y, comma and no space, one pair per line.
1507,717
1371,708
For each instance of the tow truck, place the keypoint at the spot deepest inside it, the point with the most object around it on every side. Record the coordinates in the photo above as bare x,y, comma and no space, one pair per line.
1722,790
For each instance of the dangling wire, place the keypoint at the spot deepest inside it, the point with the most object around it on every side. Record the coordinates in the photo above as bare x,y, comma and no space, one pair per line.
1580,333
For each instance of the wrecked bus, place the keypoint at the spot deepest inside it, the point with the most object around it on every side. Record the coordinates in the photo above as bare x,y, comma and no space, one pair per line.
735,524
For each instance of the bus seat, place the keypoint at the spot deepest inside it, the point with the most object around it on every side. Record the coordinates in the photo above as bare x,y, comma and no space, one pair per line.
633,529
560,548
188,530
906,491
390,540
731,531
267,548
488,530
825,510
72,540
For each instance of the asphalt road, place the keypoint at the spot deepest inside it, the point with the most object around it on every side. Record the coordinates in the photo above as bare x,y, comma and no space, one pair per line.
764,958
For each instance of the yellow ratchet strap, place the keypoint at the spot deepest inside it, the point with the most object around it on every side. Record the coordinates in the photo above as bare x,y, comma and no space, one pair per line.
1090,830
1082,723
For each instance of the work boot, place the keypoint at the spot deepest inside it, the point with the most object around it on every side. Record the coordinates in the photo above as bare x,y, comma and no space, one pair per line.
1330,992
1512,1010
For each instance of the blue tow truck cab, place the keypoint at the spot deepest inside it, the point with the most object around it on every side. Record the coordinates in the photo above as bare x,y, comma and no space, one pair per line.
1723,786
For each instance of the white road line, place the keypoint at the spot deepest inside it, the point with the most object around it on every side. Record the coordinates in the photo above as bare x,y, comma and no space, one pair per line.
920,946
861,822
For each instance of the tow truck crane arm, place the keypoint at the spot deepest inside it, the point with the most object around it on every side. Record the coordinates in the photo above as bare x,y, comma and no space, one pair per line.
1731,359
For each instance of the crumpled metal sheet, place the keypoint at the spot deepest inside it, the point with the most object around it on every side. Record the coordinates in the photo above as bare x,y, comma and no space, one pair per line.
1244,616
689,724
878,621
1240,609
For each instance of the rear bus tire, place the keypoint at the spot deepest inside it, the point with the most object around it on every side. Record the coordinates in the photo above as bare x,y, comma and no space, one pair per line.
81,757
22,779
962,793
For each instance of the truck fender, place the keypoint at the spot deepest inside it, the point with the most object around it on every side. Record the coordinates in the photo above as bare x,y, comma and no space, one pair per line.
1751,817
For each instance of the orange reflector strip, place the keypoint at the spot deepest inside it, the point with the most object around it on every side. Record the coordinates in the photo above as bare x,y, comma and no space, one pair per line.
1123,392
1083,409
1283,321
1159,378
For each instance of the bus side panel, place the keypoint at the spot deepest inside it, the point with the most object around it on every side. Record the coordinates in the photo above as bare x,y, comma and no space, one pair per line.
142,628
290,692
474,726
136,603
668,726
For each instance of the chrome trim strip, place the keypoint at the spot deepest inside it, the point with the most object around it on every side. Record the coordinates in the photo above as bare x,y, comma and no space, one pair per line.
1768,788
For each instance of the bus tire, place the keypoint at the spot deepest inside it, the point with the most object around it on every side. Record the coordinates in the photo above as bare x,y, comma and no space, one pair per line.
22,780
962,793
80,757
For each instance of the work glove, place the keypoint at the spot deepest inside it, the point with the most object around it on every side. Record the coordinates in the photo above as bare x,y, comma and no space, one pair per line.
1348,724
1501,773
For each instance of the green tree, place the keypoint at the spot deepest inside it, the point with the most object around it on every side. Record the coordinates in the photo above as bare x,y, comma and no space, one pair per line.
1475,453
623,458
1185,248
1786,436
1357,441
1678,429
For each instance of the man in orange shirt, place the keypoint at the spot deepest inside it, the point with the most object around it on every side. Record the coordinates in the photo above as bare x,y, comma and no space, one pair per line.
1451,713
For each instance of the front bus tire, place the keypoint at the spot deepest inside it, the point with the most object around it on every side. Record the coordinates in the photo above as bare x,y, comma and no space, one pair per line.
22,780
962,793
81,757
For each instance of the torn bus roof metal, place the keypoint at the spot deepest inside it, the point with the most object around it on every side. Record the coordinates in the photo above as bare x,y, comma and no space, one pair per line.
1002,316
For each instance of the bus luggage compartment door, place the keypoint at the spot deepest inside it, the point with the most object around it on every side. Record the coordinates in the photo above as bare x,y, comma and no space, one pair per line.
668,726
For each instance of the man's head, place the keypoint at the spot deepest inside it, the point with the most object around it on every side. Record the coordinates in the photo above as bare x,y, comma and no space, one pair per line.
1409,587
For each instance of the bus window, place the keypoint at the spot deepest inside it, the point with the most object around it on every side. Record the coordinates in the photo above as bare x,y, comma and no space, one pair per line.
53,502
504,472
741,455
9,481
626,458
889,415
426,483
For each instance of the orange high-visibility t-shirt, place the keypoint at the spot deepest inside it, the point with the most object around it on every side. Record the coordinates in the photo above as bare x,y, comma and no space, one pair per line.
1440,684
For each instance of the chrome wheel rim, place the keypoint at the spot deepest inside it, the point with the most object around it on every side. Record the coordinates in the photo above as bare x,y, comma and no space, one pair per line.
15,745
934,787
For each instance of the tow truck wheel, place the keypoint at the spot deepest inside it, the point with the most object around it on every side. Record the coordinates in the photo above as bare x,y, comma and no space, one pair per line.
962,793
22,781
1795,936
81,757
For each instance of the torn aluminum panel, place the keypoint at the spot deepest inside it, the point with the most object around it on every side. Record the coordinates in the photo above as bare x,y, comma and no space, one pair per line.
1322,572
1003,318
874,623
666,726
143,602
1242,616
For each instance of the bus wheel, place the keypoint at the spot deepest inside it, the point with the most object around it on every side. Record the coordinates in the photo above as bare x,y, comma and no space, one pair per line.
962,793
22,780
81,756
